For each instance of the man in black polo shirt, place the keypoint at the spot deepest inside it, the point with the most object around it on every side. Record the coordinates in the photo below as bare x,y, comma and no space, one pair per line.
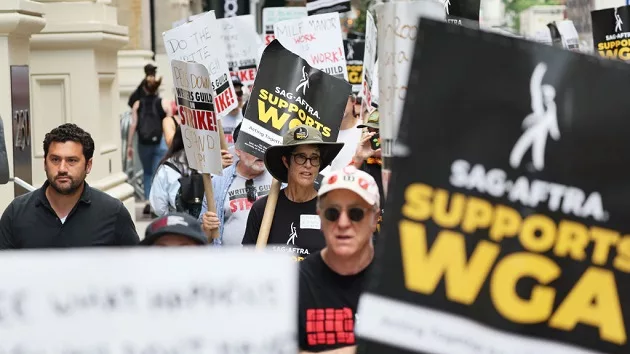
65,211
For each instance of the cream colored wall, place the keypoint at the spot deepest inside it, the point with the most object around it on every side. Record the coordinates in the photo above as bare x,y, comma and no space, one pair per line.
74,67
18,20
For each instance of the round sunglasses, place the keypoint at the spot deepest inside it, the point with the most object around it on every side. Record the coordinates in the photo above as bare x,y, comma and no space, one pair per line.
355,214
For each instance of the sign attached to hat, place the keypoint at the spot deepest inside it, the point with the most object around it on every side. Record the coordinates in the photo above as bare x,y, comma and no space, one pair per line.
289,92
507,218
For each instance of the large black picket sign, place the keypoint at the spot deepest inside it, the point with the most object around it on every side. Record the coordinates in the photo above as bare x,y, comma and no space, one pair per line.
280,78
611,32
463,12
460,192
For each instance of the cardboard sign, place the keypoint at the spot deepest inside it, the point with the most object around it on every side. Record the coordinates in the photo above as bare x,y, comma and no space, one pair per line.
242,43
318,40
200,41
148,301
199,122
506,232
355,49
283,98
317,7
272,15
368,76
397,23
611,32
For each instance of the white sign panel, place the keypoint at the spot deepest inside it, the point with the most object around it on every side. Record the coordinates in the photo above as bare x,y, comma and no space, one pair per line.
316,39
272,15
160,300
242,43
200,41
369,60
199,126
397,23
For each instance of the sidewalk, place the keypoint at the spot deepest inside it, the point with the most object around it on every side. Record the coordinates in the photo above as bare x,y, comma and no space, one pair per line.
142,221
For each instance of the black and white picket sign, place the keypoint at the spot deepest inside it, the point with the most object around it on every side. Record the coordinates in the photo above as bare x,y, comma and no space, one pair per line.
462,12
507,228
289,92
611,32
316,7
354,50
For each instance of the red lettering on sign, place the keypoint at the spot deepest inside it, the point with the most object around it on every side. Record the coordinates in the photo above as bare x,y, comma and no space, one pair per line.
269,38
328,57
202,120
304,38
247,75
220,101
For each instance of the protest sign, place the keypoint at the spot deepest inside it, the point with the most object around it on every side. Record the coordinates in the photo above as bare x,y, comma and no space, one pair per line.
317,7
199,122
289,92
611,32
200,41
355,49
242,43
397,23
318,40
506,232
148,301
272,15
369,60
462,12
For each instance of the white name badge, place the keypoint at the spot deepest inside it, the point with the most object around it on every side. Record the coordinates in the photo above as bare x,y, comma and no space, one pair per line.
310,222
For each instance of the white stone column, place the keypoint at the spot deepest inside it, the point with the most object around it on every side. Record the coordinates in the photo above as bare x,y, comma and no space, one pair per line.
18,20
74,64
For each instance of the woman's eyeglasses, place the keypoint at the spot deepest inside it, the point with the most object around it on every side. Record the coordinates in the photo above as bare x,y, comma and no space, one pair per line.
252,194
300,159
355,214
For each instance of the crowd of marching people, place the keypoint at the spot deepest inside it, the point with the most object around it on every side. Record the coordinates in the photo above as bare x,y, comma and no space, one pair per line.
326,215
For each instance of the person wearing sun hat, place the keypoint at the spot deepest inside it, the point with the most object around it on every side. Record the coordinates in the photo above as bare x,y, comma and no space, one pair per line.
334,278
295,228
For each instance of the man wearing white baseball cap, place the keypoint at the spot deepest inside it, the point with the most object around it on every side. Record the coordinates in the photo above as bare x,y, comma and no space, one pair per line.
332,280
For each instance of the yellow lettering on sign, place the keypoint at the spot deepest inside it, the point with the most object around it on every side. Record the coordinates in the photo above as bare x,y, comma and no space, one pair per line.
508,272
264,115
594,301
423,269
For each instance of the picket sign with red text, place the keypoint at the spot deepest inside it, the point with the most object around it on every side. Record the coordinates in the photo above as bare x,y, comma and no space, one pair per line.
398,27
317,39
200,41
199,122
273,15
369,60
148,300
241,43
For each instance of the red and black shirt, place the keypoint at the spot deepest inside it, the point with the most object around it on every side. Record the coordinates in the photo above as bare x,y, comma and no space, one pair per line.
327,305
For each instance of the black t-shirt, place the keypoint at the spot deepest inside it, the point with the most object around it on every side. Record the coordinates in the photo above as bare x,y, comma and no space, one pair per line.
295,228
327,305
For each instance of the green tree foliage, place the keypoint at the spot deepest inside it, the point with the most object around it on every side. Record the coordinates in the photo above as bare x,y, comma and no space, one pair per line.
513,8
359,24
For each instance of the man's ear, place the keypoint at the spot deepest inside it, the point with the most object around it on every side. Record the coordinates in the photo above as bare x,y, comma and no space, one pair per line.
88,166
285,162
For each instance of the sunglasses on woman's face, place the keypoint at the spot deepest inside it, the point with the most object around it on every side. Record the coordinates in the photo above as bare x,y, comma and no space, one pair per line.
355,214
252,194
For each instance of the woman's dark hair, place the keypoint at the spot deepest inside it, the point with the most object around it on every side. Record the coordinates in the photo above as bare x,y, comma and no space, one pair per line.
177,145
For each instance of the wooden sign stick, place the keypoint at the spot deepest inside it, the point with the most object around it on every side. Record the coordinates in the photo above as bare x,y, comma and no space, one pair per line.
270,210
207,187
224,145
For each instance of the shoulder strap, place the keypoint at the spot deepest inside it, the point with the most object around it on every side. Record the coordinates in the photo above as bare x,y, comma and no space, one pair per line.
172,165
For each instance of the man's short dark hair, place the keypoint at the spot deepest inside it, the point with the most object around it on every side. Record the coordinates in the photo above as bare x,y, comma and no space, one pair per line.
70,132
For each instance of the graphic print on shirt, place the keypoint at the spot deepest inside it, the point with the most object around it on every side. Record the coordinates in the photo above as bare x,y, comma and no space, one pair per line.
292,235
238,198
330,326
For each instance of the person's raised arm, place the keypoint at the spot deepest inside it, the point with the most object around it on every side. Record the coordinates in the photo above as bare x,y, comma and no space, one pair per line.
132,129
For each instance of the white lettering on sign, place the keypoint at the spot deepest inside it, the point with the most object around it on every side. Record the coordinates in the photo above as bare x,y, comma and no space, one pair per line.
148,301
558,197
